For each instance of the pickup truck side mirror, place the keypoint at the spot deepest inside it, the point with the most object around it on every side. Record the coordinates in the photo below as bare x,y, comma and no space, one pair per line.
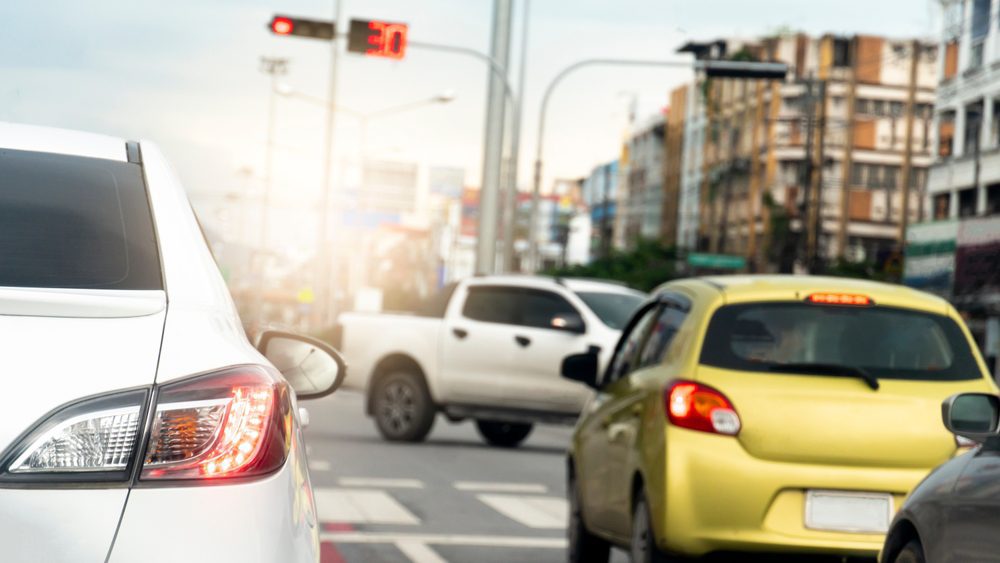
583,368
569,322
312,368
972,415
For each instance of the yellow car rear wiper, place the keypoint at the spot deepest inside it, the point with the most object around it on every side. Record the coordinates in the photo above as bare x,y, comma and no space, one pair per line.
827,369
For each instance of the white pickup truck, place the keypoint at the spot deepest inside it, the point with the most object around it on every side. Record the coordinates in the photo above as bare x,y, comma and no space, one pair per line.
487,348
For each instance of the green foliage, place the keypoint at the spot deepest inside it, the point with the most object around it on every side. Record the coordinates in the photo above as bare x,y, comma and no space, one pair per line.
644,268
863,270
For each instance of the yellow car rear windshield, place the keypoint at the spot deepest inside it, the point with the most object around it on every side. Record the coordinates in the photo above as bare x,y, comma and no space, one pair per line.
880,342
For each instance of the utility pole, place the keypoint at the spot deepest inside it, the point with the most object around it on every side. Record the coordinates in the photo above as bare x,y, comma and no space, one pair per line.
493,145
816,205
847,163
324,278
510,207
753,206
911,104
274,67
806,180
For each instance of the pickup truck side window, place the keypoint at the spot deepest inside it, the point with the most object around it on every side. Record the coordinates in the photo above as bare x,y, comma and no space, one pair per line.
515,306
537,308
627,353
491,305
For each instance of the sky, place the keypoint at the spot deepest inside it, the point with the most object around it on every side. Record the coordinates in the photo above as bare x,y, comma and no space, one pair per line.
185,75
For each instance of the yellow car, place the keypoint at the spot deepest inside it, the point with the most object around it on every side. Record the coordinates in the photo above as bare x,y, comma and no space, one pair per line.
765,414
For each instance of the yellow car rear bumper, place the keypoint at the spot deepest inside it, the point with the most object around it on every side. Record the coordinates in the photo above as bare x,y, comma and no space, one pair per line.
720,498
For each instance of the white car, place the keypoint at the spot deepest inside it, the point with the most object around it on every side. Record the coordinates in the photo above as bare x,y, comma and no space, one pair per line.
137,423
487,348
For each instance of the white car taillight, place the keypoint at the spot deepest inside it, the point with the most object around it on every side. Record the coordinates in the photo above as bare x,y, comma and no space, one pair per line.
232,423
99,441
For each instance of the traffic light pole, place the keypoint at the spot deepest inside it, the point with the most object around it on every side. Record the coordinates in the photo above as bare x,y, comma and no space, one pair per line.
324,277
720,69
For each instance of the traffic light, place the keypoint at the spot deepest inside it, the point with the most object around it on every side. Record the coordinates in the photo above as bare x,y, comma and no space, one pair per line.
742,69
377,38
301,27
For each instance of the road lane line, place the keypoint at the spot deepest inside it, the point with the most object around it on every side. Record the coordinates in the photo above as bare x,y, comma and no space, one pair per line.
487,487
418,552
445,539
534,512
375,483
361,506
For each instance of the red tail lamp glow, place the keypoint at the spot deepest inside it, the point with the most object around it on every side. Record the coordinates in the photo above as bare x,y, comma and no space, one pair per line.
699,407
848,299
231,424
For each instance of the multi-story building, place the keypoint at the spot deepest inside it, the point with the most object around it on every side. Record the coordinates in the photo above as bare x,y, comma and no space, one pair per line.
640,198
965,179
600,193
821,166
673,167
691,165
956,250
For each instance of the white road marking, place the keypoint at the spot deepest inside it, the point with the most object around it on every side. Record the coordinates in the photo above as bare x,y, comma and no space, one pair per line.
380,483
361,506
533,512
486,487
319,465
418,552
445,539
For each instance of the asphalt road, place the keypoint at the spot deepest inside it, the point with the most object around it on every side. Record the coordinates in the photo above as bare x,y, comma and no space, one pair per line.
452,498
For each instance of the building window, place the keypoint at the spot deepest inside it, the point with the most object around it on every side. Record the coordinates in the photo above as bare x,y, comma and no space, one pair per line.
863,107
918,176
973,127
841,52
942,204
967,203
858,174
993,200
951,59
946,134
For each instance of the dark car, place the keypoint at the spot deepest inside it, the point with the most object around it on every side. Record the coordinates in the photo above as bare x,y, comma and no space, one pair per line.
954,514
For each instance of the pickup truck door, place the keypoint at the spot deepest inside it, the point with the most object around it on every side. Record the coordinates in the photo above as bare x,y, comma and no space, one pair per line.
477,346
499,350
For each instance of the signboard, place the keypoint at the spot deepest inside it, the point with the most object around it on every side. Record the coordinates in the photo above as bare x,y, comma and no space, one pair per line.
717,261
977,257
930,256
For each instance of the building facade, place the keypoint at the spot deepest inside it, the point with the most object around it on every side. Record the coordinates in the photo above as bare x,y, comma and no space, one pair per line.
600,195
641,196
955,251
822,166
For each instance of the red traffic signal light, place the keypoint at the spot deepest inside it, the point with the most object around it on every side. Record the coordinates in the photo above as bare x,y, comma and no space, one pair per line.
301,27
378,38
281,25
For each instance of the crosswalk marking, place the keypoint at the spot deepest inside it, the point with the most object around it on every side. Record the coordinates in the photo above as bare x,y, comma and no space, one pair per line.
487,487
533,512
361,506
418,552
445,539
375,483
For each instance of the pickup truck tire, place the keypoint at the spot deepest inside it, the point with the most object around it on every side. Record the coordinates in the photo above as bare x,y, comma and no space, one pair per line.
503,434
403,408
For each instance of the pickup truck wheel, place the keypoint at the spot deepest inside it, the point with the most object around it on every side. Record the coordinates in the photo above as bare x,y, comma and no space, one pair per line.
403,409
503,434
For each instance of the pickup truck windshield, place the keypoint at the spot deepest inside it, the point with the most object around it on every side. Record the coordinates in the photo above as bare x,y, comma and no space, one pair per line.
879,342
614,309
75,223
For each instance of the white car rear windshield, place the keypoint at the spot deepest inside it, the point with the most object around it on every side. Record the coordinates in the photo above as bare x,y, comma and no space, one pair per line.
75,223
887,343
